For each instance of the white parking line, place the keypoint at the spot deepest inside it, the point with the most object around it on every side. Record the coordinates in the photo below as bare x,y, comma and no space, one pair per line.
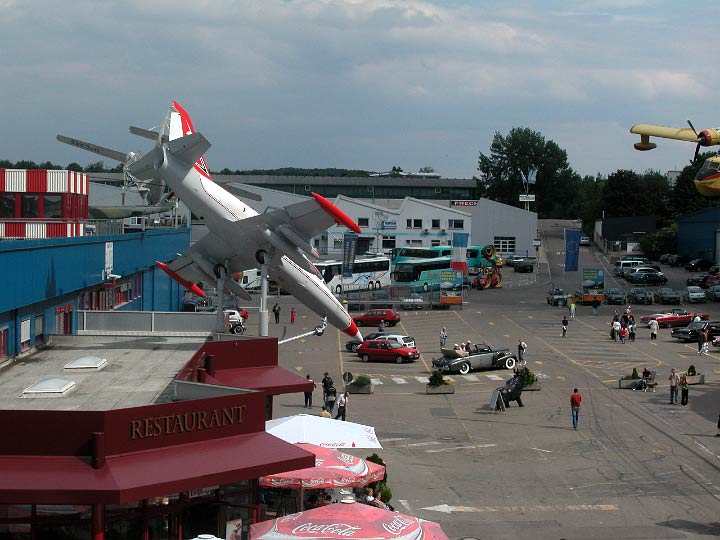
429,443
422,379
495,377
472,378
376,381
399,380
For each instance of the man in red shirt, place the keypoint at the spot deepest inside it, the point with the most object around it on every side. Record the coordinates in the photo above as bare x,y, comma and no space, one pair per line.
575,400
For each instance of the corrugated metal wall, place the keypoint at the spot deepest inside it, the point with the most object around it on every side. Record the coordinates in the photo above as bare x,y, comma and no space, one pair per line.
696,233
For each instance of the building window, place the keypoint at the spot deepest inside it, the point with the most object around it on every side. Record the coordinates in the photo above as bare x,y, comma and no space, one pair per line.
435,223
504,244
416,243
29,207
7,205
24,334
337,244
414,223
363,222
388,242
52,206
456,224
434,243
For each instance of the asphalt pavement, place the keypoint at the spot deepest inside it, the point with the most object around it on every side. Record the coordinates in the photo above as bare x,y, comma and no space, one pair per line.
637,467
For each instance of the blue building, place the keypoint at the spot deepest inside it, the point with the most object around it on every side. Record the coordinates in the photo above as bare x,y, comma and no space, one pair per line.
47,281
697,234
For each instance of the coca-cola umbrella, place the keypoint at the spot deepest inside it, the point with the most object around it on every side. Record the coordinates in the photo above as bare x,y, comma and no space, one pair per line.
347,520
332,469
326,432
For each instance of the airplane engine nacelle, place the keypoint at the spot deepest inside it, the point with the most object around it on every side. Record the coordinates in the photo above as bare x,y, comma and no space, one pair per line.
709,137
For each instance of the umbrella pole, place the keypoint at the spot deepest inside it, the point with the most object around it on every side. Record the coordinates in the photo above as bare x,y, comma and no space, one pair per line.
302,498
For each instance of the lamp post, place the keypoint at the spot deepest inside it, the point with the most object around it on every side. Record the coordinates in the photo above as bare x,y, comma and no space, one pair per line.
527,182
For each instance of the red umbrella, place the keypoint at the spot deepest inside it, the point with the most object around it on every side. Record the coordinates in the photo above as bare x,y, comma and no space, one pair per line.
347,520
332,469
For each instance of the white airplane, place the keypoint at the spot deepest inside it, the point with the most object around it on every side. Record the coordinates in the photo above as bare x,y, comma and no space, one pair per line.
239,238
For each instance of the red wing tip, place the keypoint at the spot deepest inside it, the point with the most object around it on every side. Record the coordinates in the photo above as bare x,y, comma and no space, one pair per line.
338,215
353,331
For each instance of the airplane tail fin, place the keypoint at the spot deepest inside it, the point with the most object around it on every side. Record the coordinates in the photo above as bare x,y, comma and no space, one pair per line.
181,126
189,150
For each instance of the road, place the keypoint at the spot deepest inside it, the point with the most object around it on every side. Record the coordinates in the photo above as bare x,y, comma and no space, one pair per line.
636,468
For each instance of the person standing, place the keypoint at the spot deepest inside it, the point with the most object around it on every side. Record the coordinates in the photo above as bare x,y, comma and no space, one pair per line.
342,406
674,381
632,328
706,341
308,395
381,326
701,340
443,337
575,399
653,325
522,346
572,309
276,312
331,398
564,326
595,306
684,390
293,314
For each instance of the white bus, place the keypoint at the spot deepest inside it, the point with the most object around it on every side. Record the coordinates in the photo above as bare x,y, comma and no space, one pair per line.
369,272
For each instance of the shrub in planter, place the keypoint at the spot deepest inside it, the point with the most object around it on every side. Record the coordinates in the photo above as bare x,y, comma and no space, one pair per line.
635,374
360,385
361,380
437,379
691,371
526,376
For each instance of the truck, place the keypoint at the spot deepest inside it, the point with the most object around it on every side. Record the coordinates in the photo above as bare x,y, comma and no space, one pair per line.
592,287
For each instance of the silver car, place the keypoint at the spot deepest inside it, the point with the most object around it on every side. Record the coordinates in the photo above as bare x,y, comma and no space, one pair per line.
694,294
713,293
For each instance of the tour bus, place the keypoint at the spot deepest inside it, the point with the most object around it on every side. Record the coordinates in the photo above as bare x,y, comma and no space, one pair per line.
371,272
422,275
409,253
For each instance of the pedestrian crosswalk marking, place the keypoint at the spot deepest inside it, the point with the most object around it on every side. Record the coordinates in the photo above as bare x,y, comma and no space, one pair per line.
495,377
376,381
422,379
399,380
472,378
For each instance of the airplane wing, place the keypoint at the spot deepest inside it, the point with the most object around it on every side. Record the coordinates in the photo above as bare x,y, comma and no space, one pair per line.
706,137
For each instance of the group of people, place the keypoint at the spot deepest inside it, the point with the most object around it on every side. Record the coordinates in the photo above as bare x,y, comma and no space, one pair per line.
623,327
276,312
678,381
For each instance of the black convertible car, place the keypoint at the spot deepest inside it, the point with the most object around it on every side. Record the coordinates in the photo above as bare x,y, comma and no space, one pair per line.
481,356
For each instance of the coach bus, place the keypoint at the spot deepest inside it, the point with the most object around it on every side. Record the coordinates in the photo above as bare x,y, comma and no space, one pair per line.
423,275
367,273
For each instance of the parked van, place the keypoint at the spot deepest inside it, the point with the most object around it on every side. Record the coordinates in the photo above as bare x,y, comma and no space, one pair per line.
622,266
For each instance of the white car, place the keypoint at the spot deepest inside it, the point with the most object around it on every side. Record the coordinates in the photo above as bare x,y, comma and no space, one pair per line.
405,341
694,294
584,241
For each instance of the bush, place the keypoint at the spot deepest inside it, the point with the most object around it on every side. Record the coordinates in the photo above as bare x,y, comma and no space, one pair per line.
436,378
361,380
691,370
526,376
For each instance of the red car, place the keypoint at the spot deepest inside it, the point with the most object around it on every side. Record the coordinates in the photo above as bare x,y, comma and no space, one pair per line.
676,317
386,351
374,316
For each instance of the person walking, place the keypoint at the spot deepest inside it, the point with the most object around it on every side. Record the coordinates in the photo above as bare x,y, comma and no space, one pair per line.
331,399
308,395
623,334
443,337
674,381
381,327
572,309
653,325
575,399
706,341
342,405
632,328
564,326
684,390
293,314
276,312
701,341
522,346
595,306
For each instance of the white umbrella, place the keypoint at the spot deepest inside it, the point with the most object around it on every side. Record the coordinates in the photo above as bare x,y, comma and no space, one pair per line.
325,432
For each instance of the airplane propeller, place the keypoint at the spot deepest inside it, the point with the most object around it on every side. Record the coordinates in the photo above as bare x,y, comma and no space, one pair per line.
700,141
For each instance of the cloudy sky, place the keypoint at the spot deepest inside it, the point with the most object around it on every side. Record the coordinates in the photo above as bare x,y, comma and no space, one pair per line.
364,84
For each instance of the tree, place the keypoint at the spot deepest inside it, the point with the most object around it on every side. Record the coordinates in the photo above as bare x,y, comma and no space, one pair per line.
76,167
500,177
427,169
96,167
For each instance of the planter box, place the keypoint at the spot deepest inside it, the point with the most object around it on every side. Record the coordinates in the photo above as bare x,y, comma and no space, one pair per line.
534,387
442,389
696,379
354,389
627,384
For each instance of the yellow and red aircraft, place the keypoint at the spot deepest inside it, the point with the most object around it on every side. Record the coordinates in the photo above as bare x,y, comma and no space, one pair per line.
707,180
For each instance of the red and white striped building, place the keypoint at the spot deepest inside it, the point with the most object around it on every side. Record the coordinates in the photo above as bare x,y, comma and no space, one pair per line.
39,203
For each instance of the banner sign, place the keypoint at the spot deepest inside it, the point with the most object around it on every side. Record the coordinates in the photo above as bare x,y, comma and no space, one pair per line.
459,251
349,248
463,203
572,249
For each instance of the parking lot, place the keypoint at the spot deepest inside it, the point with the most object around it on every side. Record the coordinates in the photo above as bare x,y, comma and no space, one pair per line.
636,468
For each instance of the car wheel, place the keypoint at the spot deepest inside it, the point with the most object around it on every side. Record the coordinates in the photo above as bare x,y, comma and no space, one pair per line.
378,285
464,368
399,359
338,289
354,347
365,358
509,363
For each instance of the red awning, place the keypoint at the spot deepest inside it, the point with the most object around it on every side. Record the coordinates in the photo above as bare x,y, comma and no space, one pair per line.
140,475
271,379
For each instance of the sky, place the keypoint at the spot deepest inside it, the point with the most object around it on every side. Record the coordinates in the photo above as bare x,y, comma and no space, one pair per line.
359,84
